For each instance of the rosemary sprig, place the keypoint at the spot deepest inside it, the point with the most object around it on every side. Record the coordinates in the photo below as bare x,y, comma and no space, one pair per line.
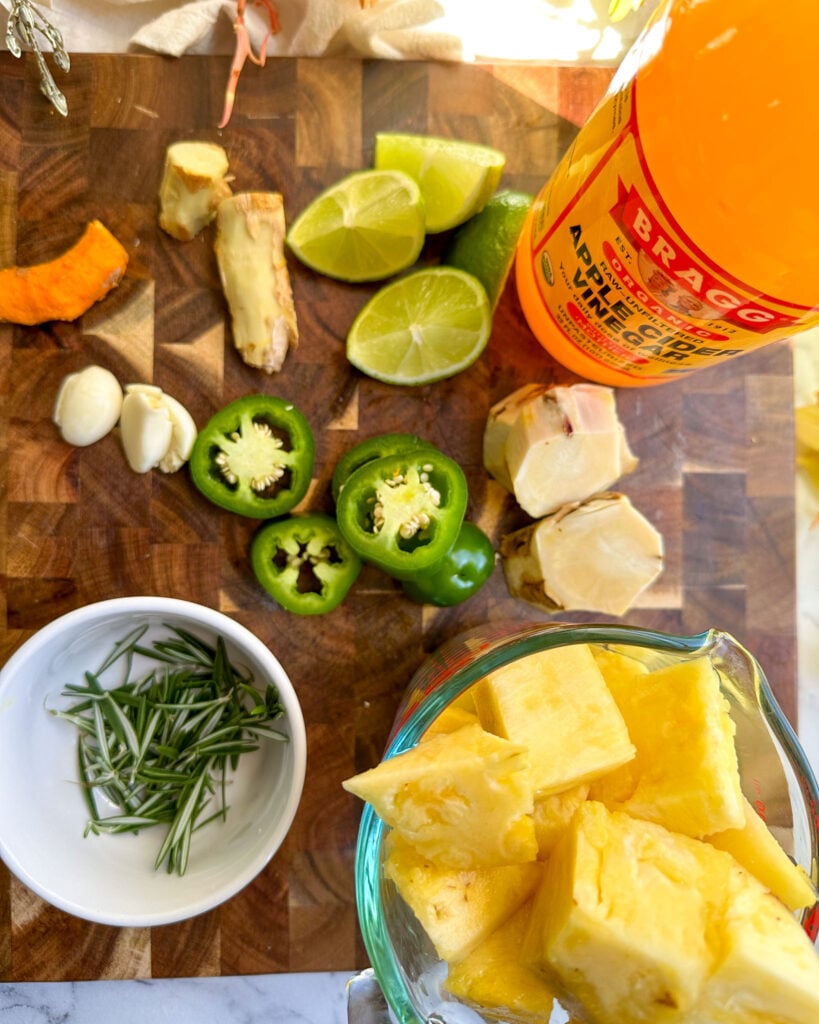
25,23
158,746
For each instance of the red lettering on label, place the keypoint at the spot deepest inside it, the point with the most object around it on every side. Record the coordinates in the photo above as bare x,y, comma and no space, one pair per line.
588,328
668,271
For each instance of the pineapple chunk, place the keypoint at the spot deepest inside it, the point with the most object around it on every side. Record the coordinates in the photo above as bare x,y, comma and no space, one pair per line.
621,922
685,775
768,972
758,851
556,704
552,815
457,908
494,981
465,700
463,799
450,719
618,665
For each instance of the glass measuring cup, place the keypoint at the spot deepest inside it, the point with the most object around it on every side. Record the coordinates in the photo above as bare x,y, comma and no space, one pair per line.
775,774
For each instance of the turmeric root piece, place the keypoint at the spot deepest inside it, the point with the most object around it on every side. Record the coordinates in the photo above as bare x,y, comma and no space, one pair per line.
554,445
66,287
194,182
250,253
598,555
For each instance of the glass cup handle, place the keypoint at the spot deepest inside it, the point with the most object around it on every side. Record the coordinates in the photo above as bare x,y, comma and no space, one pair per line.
365,1000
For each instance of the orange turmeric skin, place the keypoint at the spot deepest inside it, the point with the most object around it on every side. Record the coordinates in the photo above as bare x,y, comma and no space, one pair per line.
66,287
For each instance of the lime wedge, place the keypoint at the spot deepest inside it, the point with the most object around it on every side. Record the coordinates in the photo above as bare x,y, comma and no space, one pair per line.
366,227
485,246
456,178
424,327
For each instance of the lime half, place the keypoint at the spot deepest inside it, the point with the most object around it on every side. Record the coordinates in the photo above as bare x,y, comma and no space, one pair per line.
456,178
366,227
424,327
485,246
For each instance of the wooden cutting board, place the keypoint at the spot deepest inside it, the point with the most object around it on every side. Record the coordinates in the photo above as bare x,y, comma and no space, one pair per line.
715,476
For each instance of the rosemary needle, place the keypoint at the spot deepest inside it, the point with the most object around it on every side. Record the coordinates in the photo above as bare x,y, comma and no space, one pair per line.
158,745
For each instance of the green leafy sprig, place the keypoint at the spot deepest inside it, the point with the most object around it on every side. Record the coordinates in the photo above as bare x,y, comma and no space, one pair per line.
158,746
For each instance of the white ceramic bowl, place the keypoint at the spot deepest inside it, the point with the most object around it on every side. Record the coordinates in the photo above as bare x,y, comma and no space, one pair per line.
111,879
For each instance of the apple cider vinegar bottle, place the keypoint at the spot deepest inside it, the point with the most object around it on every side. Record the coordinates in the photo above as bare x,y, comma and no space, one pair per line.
682,226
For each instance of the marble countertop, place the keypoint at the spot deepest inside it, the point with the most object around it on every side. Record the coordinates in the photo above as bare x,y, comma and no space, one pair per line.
259,999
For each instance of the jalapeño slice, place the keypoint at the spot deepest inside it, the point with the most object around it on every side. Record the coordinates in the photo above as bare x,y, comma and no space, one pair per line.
254,457
402,513
304,563
370,450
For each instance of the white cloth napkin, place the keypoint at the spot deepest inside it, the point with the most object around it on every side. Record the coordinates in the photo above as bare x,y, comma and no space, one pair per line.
559,31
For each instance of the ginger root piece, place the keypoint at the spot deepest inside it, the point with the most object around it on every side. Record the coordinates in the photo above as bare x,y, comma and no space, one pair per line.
597,555
66,287
194,182
250,253
554,445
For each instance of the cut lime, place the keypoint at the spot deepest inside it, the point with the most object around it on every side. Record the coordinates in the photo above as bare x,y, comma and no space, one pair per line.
456,178
485,245
366,227
424,327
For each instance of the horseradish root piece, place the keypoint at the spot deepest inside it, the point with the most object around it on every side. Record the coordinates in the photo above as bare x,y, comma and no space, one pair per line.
66,287
551,446
194,182
598,555
499,422
250,253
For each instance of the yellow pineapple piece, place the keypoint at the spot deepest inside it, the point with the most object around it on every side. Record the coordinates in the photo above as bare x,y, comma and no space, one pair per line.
621,924
552,815
557,705
768,972
685,774
617,664
758,851
466,700
457,908
450,719
463,799
494,981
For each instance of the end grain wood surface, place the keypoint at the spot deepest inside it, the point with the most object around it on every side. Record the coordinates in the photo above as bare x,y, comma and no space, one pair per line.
715,473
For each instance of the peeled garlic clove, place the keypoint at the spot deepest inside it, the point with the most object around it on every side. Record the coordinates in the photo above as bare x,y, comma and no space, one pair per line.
88,405
146,430
183,434
156,429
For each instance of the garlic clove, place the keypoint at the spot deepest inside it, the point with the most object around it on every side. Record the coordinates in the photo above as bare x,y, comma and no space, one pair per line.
87,405
157,430
183,434
145,429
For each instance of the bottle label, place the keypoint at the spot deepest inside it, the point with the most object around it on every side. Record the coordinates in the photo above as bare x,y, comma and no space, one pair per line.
622,281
